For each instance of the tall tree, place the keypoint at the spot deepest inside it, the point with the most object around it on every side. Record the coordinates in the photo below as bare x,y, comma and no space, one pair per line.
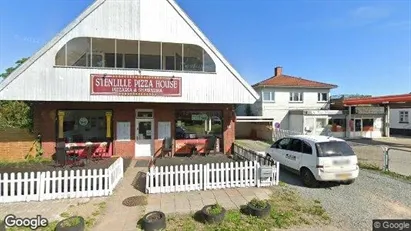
9,70
15,114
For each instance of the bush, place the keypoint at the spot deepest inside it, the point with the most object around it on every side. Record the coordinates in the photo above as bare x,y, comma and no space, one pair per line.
215,209
259,204
16,114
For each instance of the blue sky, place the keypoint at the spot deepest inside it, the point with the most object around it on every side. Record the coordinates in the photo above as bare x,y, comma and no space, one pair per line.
362,46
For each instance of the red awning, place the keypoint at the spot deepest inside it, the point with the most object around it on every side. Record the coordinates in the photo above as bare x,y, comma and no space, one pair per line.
405,98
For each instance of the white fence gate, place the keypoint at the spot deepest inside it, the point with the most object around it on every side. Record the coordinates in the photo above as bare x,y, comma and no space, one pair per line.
243,173
60,184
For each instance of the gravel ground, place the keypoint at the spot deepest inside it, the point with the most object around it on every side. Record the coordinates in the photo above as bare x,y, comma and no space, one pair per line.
353,207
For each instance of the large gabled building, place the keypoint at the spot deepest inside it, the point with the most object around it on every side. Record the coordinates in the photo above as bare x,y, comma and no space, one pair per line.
130,73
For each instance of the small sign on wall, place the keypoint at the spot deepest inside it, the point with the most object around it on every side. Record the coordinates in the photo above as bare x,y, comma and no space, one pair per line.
266,171
378,123
123,131
164,129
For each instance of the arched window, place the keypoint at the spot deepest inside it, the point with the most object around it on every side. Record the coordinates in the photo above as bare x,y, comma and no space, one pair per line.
133,54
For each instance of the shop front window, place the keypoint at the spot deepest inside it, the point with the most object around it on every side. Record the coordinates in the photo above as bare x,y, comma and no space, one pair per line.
84,126
198,124
367,125
337,125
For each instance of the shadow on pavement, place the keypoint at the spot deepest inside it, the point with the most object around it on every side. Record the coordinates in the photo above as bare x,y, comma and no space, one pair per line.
139,182
291,178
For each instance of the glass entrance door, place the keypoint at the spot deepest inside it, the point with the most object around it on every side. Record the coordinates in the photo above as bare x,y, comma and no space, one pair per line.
144,137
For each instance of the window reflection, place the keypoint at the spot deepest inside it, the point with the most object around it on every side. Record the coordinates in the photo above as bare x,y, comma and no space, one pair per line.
198,124
84,125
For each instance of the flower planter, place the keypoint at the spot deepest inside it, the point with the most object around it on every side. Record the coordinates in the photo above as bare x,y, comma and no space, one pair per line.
258,211
212,218
75,223
154,221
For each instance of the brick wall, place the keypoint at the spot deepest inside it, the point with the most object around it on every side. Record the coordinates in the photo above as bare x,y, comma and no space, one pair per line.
45,121
15,144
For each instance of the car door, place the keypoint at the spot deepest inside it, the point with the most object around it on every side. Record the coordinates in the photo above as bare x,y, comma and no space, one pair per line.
293,154
307,158
276,151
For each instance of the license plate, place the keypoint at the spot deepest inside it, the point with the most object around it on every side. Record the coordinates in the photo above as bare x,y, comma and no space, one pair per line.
344,176
341,162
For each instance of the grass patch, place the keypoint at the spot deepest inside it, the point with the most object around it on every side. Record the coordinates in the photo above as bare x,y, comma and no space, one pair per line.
288,210
65,215
369,166
89,221
379,170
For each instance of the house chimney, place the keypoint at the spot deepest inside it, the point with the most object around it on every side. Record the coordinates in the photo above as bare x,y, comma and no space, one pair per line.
278,71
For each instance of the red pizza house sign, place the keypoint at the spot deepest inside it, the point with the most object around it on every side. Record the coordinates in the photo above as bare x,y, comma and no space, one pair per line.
135,85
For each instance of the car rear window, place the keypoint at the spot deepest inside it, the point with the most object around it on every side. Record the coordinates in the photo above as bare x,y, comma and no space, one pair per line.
334,148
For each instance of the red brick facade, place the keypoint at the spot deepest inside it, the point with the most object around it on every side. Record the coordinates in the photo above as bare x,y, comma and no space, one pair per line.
45,121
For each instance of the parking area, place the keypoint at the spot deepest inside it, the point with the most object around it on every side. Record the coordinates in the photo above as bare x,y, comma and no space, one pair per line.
372,196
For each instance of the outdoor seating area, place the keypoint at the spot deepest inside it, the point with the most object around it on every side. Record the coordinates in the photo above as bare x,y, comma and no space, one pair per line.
244,168
80,154
189,147
195,159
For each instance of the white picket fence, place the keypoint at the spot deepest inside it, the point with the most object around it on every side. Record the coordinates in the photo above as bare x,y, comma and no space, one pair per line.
196,177
39,186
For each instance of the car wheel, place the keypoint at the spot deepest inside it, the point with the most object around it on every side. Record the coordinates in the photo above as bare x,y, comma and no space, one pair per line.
308,178
347,182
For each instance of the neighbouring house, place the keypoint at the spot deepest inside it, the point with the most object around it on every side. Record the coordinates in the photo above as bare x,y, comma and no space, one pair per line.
400,122
287,103
130,74
364,121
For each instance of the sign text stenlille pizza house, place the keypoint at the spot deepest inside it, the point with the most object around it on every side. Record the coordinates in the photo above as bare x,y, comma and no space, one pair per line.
135,85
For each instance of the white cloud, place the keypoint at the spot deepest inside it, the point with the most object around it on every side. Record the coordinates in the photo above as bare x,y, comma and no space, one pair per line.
373,13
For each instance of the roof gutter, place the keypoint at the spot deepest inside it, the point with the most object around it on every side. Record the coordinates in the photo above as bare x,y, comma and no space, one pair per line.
378,100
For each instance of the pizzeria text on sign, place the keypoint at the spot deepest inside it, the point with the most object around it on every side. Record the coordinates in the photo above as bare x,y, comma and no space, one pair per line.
131,85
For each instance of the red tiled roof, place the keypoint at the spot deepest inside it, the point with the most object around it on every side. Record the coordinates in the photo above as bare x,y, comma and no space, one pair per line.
292,81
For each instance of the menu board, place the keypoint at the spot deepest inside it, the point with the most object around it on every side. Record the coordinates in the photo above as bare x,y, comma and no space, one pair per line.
123,131
164,129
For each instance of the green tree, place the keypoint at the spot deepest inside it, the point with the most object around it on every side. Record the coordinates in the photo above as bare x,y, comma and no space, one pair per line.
9,70
15,114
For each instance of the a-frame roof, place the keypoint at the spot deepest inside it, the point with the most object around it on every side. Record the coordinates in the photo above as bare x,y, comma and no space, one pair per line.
95,5
50,44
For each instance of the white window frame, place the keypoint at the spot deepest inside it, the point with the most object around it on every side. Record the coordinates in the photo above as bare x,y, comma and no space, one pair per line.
404,117
89,60
320,97
271,93
300,97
